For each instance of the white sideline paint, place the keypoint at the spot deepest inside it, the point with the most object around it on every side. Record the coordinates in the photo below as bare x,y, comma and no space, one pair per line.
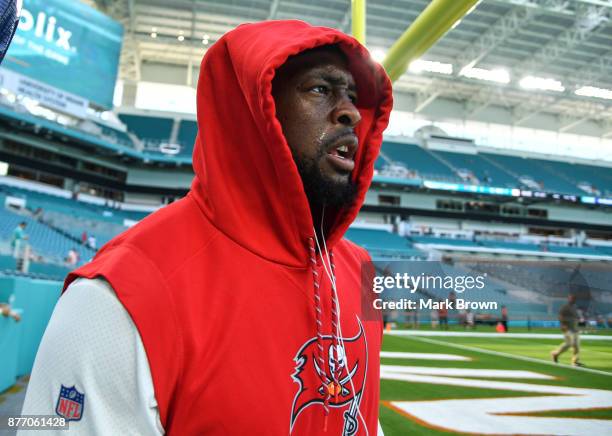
485,416
464,372
511,356
422,356
559,336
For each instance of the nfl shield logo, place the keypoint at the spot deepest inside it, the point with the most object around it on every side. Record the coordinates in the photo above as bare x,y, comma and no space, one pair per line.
70,404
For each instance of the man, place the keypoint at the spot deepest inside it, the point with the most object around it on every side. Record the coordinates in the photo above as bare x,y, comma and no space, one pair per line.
568,319
6,311
9,18
91,242
504,318
237,308
18,240
73,257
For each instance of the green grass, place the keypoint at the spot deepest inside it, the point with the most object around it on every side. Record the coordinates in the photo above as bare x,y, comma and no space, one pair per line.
395,424
597,354
491,329
594,354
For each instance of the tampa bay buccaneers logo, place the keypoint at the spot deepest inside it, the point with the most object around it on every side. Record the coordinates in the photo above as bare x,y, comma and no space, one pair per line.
352,361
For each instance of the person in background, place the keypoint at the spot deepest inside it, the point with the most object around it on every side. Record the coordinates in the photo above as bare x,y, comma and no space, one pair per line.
443,316
18,239
470,320
9,18
72,258
5,310
504,318
568,318
434,319
91,242
84,238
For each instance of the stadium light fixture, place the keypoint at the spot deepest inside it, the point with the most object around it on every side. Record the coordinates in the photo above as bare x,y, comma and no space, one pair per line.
419,65
592,91
542,83
497,75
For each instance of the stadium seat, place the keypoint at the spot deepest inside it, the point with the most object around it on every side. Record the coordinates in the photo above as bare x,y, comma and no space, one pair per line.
383,243
418,159
187,133
152,130
545,177
487,173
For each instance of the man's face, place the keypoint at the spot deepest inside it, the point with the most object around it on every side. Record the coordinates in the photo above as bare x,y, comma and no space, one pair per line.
315,98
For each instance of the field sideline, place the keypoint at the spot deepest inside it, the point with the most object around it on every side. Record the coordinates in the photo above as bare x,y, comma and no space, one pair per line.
444,385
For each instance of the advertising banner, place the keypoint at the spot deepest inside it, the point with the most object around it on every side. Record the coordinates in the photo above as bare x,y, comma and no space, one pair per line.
67,45
46,95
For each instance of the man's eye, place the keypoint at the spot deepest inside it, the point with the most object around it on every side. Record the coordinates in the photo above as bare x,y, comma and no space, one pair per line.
320,89
353,99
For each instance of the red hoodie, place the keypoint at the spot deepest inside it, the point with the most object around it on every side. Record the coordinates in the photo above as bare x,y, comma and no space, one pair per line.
220,284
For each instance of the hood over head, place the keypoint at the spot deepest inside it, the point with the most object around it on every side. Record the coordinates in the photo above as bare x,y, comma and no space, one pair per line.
247,183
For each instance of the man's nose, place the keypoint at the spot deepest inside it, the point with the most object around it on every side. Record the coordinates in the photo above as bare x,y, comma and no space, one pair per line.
346,112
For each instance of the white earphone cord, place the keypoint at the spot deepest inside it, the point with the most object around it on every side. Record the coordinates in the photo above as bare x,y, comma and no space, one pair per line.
332,279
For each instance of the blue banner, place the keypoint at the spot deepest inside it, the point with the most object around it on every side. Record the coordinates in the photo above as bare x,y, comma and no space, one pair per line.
68,45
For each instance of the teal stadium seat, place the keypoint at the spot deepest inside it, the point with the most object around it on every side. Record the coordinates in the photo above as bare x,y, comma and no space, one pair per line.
152,130
383,243
188,130
574,250
115,136
510,245
425,239
520,166
481,168
416,158
598,177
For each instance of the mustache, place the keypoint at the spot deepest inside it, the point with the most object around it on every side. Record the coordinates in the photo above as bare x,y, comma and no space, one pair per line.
336,136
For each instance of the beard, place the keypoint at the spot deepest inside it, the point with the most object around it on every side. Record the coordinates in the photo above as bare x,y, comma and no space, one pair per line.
320,189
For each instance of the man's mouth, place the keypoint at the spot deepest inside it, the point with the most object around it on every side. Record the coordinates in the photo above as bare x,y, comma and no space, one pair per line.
342,152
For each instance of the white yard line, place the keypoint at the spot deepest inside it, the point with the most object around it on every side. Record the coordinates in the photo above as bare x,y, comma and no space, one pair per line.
489,415
583,337
494,415
508,355
464,372
422,356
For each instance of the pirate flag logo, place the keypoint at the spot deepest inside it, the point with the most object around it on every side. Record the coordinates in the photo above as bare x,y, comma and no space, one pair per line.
349,361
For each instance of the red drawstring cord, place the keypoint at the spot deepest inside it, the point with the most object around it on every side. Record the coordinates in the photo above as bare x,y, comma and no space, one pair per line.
335,321
318,314
325,382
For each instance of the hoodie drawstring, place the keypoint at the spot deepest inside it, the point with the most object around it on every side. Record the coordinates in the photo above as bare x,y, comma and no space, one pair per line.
328,386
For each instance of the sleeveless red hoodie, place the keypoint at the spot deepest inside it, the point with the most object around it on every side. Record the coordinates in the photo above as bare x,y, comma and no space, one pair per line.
220,284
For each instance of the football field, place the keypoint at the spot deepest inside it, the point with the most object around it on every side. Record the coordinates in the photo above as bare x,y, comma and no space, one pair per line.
435,383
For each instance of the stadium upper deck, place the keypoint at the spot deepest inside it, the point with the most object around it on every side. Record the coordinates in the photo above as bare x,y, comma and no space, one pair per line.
149,138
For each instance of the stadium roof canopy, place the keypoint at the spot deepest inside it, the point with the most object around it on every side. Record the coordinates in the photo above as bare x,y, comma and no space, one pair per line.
569,41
